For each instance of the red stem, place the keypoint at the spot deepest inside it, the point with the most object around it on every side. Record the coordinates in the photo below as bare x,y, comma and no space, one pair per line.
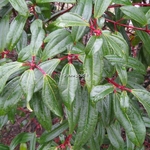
41,70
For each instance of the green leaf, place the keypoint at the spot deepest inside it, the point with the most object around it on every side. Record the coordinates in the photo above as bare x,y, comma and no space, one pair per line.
16,27
124,101
115,137
143,97
4,27
20,6
47,137
73,115
50,95
41,111
10,95
130,145
27,82
48,66
84,9
100,7
135,130
68,84
135,14
23,138
23,146
93,62
3,3
100,91
6,70
122,2
58,40
87,122
4,147
37,37
70,19
63,1
122,73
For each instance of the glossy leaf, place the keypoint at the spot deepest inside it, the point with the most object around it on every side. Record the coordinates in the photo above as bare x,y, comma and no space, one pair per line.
135,14
93,62
68,84
115,137
100,7
37,37
48,66
123,2
27,82
124,101
41,111
73,115
4,27
20,6
16,27
100,91
47,137
63,1
87,122
135,130
50,95
57,43
84,9
10,95
6,70
122,73
70,19
3,3
143,97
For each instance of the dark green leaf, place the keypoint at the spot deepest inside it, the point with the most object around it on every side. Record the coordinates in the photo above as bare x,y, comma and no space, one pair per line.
37,37
135,14
3,3
68,84
84,9
16,27
100,7
63,1
70,19
20,6
47,137
122,2
100,91
4,147
3,121
4,27
58,40
143,97
130,145
87,122
135,130
6,70
50,95
41,111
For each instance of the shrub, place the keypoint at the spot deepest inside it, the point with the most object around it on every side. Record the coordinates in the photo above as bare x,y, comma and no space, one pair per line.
78,67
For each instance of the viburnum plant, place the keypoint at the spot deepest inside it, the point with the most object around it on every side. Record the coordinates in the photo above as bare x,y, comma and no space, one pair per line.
78,67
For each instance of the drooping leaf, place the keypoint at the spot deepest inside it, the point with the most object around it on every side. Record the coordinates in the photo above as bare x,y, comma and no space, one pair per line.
68,84
93,62
6,70
63,1
84,9
4,27
70,19
20,6
87,122
135,130
47,137
16,27
50,95
143,97
115,137
37,37
48,66
27,82
100,91
41,111
73,115
58,40
135,14
100,7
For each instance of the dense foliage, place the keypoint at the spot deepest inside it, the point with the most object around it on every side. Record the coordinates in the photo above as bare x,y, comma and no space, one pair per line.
76,66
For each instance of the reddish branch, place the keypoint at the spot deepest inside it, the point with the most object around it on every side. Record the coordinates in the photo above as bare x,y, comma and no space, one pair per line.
121,87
